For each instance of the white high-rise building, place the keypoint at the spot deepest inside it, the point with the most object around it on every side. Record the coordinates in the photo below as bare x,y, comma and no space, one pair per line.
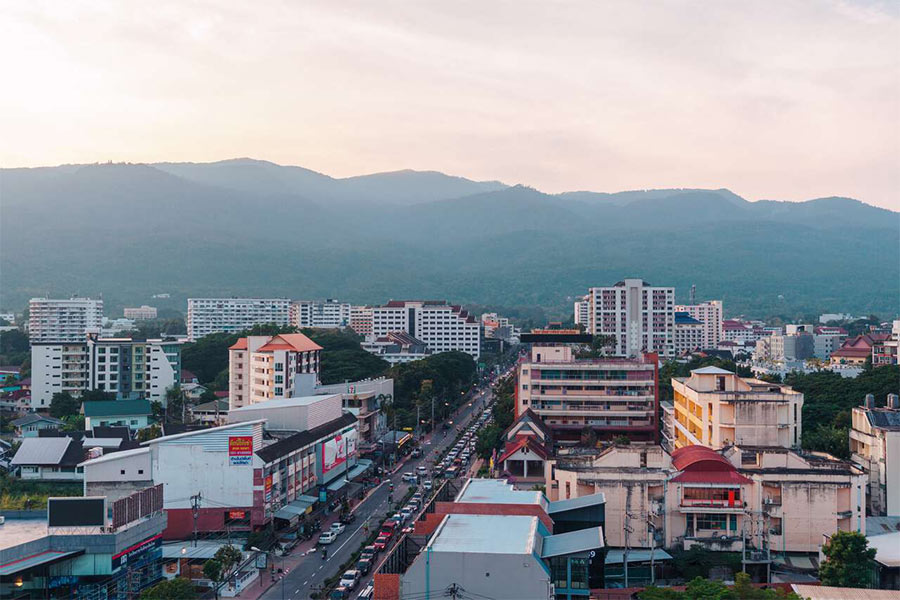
640,316
63,320
262,367
140,313
442,326
710,314
583,311
326,315
232,315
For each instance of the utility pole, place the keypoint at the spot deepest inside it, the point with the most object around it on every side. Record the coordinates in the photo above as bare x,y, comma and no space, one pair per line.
454,591
195,510
628,529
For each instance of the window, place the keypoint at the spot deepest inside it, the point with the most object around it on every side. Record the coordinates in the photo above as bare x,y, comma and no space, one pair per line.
279,366
134,421
121,471
559,572
579,573
140,471
715,522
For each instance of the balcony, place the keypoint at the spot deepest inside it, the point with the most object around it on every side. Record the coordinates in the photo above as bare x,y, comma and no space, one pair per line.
689,505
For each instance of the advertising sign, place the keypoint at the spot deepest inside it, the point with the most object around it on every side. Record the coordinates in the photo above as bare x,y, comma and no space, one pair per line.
268,488
335,451
135,554
240,449
235,515
76,512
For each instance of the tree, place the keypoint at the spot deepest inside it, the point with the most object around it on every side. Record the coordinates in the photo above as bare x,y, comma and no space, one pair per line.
621,440
73,422
149,433
173,589
62,404
489,438
212,570
208,395
97,396
228,556
588,436
848,560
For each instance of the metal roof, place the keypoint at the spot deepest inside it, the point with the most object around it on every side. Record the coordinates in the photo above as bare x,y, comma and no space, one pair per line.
34,418
888,547
824,592
572,542
712,371
485,534
580,502
116,456
98,442
117,408
41,451
35,560
616,556
497,491
283,403
882,525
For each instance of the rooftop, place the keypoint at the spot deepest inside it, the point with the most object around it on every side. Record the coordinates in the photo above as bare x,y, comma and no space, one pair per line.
571,542
43,451
19,531
116,408
485,534
283,403
711,371
497,491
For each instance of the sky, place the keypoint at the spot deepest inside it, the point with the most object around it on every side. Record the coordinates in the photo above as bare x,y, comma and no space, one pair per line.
784,100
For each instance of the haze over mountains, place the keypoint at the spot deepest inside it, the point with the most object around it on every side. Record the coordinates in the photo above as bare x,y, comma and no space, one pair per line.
247,227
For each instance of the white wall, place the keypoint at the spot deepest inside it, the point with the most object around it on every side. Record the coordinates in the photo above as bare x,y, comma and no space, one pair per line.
43,382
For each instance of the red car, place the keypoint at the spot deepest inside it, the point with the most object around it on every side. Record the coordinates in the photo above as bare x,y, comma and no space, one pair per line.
381,543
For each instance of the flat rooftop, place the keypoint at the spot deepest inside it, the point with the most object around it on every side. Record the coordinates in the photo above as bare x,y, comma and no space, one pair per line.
486,534
285,403
19,531
497,491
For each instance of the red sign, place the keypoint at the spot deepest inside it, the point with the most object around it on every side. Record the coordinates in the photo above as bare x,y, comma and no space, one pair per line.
235,514
240,445
268,488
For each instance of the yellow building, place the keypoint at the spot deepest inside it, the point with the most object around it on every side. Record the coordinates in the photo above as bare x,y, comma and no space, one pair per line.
716,408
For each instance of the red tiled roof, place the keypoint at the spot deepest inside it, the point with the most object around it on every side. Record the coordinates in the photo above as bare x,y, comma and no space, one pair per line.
513,447
241,344
290,341
221,394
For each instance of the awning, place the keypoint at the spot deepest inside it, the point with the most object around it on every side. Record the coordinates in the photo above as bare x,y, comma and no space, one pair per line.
358,470
615,557
35,560
337,484
295,508
204,550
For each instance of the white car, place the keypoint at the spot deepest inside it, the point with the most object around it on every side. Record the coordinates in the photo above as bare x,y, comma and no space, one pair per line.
350,579
367,594
410,477
327,538
426,484
421,470
338,528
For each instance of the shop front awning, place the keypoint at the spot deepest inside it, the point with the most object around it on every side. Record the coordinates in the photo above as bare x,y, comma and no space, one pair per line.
35,560
337,484
361,466
293,510
636,555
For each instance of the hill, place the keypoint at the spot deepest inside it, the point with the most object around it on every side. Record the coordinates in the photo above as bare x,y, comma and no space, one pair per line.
246,227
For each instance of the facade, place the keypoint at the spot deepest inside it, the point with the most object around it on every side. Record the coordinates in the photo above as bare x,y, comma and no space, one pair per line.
734,330
875,447
32,424
49,459
759,499
640,316
858,350
264,367
364,399
142,313
613,396
126,367
361,320
442,326
497,327
689,333
396,347
134,414
716,408
233,315
710,314
62,321
884,351
826,340
329,314
528,444
583,311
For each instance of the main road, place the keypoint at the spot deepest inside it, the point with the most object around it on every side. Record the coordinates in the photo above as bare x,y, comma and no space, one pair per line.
304,577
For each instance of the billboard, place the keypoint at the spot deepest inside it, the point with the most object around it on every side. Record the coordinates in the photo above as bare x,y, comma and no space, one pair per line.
268,488
76,512
151,548
137,505
335,451
240,449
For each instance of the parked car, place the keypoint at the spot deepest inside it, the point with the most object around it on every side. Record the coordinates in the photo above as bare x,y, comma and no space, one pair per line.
327,538
421,470
368,553
381,543
340,593
406,512
350,578
426,484
364,565
338,528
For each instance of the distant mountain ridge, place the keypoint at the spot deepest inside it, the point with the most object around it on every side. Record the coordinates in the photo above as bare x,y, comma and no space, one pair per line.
244,226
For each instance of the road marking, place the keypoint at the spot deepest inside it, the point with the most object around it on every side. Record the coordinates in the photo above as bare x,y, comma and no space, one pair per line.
305,582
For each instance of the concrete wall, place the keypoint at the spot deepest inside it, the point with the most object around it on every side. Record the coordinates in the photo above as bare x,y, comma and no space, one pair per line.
481,574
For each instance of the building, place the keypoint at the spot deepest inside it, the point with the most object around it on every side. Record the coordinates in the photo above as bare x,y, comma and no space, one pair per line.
32,424
716,408
884,351
233,315
835,317
497,542
710,314
689,333
612,396
364,399
826,340
858,350
134,414
49,459
442,326
396,347
497,327
126,367
262,367
361,320
788,347
755,499
875,447
329,314
583,311
640,316
142,313
528,444
734,330
214,412
62,321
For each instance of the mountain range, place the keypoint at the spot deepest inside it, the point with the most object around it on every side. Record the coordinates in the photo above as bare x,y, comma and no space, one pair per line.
249,227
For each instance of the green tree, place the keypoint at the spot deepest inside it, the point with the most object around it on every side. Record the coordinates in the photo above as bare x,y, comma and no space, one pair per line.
62,404
97,396
228,556
214,571
848,560
705,589
149,433
73,422
489,438
173,589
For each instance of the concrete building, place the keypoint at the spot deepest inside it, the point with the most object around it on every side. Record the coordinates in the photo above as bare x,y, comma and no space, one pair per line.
134,414
734,330
63,321
583,311
875,447
364,399
884,351
233,315
361,320
613,396
826,340
497,327
442,326
716,408
760,499
128,368
396,347
640,316
49,459
330,314
710,314
262,367
858,350
689,333
141,313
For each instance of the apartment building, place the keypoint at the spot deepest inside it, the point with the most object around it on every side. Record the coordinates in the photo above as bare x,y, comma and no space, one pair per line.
857,350
875,447
396,347
689,333
710,314
443,327
61,321
884,351
742,332
330,314
716,408
754,499
583,311
640,316
361,320
233,315
130,369
612,396
262,367
143,312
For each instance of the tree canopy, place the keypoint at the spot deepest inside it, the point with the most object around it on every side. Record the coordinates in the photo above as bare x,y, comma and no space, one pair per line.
62,404
847,560
172,589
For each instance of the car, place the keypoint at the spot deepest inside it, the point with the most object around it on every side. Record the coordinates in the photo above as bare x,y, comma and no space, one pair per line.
381,543
406,512
368,553
340,593
427,484
367,594
417,452
327,538
338,528
421,470
408,529
398,517
410,477
364,565
387,528
350,578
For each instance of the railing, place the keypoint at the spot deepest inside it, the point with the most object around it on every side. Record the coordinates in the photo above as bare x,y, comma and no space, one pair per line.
711,503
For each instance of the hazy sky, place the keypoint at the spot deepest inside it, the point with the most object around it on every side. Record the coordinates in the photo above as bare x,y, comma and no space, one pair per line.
786,100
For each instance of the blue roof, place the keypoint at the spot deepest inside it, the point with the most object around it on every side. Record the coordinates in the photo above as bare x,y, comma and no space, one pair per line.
35,560
580,502
563,544
683,318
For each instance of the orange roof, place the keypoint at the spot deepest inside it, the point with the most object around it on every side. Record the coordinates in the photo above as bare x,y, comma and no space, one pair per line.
241,344
290,341
701,456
